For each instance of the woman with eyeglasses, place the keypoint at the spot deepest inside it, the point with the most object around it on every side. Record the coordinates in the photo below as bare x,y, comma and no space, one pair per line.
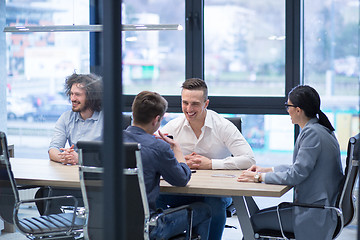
316,173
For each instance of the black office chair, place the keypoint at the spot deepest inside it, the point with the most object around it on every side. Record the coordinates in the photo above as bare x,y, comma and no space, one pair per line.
91,181
126,120
236,121
344,207
64,225
139,222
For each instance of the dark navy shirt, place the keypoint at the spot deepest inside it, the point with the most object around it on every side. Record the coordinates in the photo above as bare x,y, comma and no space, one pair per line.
158,160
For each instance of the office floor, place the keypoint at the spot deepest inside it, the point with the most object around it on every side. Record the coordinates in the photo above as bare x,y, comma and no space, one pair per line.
350,232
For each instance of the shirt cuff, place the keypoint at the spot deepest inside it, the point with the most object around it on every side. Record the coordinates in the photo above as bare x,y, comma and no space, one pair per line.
263,176
217,164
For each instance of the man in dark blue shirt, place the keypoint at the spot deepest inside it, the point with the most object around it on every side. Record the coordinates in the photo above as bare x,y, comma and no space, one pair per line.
162,157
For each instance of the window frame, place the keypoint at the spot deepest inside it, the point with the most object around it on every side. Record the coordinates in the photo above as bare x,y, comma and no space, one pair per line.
194,62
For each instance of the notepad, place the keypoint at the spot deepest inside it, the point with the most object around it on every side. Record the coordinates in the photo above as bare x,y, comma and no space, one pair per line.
223,175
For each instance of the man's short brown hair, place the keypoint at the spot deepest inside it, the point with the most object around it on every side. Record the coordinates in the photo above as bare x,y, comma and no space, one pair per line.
147,105
196,84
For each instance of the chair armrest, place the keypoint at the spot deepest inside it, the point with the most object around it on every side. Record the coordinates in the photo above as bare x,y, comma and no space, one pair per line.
171,210
40,188
80,211
306,205
154,218
48,198
25,187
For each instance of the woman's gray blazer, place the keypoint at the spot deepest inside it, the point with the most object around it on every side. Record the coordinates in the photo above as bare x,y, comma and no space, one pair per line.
316,174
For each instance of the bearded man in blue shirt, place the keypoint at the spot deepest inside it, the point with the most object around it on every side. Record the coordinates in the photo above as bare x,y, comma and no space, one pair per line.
83,122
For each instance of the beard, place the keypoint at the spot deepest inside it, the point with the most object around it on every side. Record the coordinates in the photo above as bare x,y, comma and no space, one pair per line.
76,109
80,108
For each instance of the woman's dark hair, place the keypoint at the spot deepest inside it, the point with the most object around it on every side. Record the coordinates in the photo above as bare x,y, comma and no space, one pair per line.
93,86
308,99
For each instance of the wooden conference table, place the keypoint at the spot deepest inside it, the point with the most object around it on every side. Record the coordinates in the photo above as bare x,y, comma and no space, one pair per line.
43,172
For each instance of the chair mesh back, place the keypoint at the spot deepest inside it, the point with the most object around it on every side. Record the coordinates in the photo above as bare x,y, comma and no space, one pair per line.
134,210
345,200
8,194
93,181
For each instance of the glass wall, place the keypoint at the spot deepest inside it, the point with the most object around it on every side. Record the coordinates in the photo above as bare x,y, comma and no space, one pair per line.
245,47
153,60
37,65
244,56
331,61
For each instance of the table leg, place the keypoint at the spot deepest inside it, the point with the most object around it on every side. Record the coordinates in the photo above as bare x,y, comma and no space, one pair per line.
8,228
251,205
244,217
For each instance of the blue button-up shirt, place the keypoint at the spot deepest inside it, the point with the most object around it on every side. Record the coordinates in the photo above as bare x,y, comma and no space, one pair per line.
158,160
71,128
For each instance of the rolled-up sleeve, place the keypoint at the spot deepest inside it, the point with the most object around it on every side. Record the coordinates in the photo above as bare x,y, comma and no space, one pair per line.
242,154
59,137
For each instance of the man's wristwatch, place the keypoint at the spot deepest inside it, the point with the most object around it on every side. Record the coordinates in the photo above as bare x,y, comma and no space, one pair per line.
257,177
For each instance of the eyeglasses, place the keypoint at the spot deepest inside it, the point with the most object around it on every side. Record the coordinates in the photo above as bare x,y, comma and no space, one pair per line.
289,105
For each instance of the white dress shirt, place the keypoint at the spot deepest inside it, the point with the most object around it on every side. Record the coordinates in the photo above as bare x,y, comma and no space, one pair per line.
220,140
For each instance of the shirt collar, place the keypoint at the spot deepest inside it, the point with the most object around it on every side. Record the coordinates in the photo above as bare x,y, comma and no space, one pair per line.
94,117
208,122
311,121
136,130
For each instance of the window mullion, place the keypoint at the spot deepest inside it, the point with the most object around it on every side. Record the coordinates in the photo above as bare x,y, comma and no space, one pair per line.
194,43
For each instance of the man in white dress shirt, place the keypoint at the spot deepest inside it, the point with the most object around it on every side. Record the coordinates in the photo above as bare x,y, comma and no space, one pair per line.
208,141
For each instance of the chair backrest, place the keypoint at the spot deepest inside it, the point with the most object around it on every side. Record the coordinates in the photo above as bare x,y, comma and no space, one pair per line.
91,181
8,192
126,120
136,205
346,199
236,121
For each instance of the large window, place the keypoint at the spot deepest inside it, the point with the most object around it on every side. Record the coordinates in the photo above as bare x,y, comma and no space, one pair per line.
37,65
245,57
153,60
245,47
331,61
